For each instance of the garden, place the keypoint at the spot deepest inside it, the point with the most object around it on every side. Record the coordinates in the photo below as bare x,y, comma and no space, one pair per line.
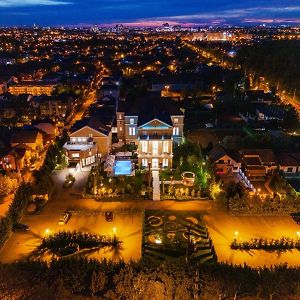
280,245
118,188
65,243
172,234
192,176
284,200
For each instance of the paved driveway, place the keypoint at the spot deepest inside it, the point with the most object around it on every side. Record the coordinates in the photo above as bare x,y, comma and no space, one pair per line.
224,228
88,216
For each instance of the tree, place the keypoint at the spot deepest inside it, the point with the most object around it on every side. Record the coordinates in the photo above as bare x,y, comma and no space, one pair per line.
7,185
98,282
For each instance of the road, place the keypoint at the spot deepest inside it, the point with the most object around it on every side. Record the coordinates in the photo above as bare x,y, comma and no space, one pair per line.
287,99
78,116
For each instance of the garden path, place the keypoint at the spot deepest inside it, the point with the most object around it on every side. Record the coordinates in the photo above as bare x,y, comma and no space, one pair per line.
156,185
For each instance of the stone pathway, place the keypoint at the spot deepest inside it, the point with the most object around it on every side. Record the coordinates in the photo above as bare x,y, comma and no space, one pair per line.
156,185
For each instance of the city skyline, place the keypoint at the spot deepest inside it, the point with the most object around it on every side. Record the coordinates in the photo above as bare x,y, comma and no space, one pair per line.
147,13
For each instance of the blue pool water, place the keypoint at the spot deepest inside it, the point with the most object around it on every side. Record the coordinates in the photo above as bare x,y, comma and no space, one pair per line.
122,167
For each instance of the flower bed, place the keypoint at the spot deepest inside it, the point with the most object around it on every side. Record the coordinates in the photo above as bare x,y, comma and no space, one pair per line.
55,243
268,245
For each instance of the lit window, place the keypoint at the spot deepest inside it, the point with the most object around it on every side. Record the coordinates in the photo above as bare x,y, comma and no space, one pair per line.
131,121
75,155
165,146
144,162
176,131
165,162
131,130
155,147
144,145
176,120
120,129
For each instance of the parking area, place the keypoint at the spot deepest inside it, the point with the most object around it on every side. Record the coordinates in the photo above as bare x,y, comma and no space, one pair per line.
223,228
127,225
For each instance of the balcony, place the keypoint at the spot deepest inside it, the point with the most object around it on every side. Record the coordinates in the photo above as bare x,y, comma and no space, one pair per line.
79,146
155,137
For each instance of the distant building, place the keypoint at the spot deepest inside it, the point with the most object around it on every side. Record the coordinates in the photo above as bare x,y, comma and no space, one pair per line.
58,108
35,88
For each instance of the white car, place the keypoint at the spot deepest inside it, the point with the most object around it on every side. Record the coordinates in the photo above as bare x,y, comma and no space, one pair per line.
209,125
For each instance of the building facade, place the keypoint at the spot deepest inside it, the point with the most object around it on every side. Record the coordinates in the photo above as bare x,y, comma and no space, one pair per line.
32,88
87,143
154,125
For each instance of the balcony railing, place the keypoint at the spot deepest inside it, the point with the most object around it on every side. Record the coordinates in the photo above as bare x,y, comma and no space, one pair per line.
155,137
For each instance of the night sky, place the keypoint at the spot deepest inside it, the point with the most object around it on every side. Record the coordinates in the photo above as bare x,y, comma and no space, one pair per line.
148,12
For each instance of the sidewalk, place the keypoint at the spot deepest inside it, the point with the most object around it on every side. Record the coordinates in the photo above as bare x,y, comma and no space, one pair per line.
156,185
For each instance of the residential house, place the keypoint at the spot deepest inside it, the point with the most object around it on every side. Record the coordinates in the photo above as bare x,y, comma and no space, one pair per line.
111,90
175,86
90,138
31,138
257,163
225,161
154,125
289,164
48,127
16,158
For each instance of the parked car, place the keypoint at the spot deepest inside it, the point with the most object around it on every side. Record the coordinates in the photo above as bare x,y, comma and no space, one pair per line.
32,167
209,125
109,216
18,227
64,218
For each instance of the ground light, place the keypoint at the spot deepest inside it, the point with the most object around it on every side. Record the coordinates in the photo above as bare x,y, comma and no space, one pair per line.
158,241
114,230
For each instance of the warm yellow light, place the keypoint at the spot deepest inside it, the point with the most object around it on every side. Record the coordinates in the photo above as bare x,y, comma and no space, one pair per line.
158,241
236,233
114,230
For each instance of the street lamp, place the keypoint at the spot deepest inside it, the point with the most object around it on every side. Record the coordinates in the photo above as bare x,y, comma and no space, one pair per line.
47,232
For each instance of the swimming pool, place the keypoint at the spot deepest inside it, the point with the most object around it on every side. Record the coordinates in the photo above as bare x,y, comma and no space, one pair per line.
122,167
